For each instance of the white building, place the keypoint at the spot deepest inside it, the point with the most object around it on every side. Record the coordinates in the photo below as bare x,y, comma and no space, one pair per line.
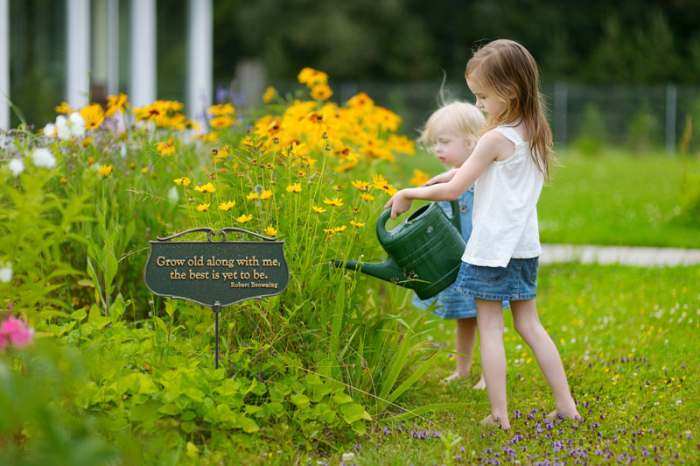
94,49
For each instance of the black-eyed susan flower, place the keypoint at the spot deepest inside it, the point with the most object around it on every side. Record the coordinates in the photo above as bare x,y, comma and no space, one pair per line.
93,116
244,218
184,181
356,224
221,122
367,197
266,194
419,178
202,207
226,206
253,196
116,103
334,230
294,188
269,94
221,109
166,148
317,209
270,231
63,108
104,171
360,185
205,188
335,202
321,92
220,153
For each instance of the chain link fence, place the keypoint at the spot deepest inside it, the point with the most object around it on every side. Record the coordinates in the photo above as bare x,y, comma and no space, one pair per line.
641,118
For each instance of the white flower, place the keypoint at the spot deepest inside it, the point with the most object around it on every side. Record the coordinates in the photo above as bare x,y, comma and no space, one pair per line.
77,124
16,166
50,130
173,195
6,273
62,128
43,157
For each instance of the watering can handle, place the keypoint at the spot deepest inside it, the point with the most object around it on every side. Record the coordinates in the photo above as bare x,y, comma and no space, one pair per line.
456,215
382,234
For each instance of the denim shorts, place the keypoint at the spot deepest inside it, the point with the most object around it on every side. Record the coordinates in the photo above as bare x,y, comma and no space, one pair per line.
517,281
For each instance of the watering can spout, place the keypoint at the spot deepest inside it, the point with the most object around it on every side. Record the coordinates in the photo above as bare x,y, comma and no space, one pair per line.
387,270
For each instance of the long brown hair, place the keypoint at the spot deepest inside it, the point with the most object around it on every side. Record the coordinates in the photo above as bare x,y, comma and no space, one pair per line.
507,68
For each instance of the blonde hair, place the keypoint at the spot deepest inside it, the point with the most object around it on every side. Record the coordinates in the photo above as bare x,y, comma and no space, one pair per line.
509,70
458,118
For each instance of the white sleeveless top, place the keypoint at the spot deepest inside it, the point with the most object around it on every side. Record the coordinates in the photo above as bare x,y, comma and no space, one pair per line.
504,216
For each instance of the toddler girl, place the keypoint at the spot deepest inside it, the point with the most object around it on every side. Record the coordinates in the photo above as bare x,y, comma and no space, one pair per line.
451,133
509,164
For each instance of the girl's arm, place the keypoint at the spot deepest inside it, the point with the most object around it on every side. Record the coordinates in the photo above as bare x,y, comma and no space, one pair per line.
490,147
441,178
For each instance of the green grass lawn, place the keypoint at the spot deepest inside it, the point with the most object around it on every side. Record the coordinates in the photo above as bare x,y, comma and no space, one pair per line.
613,199
628,338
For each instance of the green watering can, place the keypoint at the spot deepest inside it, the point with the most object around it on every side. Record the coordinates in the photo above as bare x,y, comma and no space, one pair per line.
425,251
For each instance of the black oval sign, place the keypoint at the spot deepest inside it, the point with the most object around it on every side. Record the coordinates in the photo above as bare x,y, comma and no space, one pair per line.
216,272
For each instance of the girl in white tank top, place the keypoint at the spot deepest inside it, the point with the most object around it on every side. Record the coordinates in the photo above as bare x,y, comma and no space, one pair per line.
509,165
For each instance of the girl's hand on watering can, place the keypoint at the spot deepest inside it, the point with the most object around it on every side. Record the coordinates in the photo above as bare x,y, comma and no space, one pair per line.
398,203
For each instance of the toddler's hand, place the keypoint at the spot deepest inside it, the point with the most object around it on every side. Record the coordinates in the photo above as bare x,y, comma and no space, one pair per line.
398,203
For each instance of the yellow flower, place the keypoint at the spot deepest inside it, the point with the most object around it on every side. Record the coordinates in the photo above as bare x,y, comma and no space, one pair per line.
203,207
116,103
93,115
419,177
361,185
269,95
312,77
360,100
87,141
319,210
253,196
321,92
367,197
267,194
334,230
205,188
270,231
336,201
104,170
226,206
63,107
221,153
222,109
294,188
209,137
244,218
184,181
166,148
356,224
144,170
221,122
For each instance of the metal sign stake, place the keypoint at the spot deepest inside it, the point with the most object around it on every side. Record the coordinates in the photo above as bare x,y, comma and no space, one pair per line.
216,308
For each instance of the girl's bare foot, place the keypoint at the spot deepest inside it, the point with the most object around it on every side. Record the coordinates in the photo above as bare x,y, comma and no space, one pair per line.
493,421
481,384
456,375
574,415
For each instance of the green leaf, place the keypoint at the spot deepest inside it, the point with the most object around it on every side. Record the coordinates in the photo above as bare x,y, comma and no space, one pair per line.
248,425
300,400
353,412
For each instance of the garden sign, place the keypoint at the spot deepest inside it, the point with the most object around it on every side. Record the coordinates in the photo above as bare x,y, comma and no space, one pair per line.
216,272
